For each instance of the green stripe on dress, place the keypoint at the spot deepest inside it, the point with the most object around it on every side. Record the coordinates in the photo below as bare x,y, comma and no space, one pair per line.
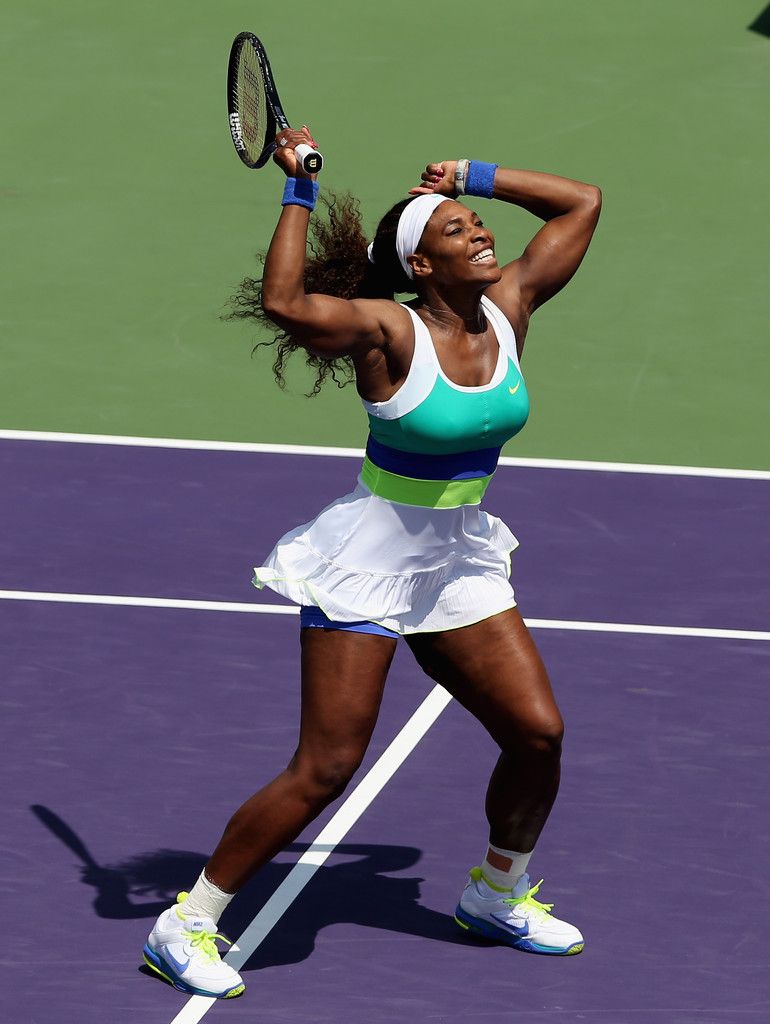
428,493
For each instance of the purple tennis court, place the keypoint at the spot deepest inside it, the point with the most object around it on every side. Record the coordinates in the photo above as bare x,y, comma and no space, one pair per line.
130,733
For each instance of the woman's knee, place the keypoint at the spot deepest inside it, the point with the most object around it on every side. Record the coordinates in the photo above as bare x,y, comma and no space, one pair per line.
324,778
540,735
548,734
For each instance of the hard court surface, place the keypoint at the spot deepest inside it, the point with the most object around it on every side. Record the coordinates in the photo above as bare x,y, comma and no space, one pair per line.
138,729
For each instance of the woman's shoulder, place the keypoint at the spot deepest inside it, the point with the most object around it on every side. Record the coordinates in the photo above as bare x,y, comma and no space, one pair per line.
508,304
394,318
506,299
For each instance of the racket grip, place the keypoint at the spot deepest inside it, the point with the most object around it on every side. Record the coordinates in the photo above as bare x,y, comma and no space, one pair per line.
310,158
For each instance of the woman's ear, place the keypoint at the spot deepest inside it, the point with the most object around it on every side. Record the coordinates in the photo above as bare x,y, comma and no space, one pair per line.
420,265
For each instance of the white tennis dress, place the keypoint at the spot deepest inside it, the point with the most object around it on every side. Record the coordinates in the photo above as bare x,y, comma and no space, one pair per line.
409,548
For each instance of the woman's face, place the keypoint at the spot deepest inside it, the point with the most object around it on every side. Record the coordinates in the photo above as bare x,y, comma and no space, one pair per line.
456,249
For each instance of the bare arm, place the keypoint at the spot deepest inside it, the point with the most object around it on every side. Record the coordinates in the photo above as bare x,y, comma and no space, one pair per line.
570,210
328,326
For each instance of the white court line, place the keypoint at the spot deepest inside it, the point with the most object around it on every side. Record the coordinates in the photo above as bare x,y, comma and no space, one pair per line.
630,627
149,602
579,625
180,442
328,838
358,453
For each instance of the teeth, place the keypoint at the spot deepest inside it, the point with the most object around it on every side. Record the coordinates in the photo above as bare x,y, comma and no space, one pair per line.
485,254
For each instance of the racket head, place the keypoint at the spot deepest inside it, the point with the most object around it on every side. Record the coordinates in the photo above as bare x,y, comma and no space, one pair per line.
254,109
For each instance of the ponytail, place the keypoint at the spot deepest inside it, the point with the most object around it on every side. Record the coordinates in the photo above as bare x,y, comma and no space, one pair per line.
336,263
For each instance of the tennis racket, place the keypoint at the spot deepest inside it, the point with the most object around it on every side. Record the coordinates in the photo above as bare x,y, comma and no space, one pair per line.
254,107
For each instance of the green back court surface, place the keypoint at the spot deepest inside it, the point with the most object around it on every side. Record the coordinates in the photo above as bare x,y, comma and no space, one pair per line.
128,220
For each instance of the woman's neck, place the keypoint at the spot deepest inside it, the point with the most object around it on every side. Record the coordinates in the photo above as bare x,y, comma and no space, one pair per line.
455,313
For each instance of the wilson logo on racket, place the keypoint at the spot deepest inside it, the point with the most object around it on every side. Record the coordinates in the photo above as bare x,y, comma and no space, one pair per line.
236,131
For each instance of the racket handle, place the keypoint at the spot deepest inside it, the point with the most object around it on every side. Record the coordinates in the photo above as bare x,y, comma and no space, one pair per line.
310,158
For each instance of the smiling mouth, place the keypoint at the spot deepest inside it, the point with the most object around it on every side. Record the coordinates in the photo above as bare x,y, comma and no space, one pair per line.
485,256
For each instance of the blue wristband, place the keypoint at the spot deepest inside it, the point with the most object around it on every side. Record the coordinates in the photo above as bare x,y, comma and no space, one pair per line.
480,180
300,192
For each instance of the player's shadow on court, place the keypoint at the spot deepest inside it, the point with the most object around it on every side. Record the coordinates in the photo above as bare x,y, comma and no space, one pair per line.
360,890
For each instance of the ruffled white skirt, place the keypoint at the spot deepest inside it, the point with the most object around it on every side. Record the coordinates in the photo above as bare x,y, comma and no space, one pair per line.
410,569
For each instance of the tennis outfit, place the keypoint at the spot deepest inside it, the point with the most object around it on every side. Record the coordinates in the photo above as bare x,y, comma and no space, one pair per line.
409,549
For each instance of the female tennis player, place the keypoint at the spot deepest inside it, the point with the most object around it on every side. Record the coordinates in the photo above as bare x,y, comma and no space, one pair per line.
408,552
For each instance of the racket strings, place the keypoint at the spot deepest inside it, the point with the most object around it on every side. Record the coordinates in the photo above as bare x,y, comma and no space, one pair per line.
252,104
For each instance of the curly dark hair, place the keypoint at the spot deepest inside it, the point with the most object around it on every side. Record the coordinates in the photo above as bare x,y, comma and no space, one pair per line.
336,264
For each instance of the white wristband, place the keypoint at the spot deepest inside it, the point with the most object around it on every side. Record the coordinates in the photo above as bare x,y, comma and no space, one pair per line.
461,176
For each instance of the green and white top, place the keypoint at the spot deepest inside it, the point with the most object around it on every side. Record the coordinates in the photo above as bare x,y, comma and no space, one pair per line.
433,430
410,548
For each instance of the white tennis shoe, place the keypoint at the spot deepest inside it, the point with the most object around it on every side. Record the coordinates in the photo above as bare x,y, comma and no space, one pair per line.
515,917
182,950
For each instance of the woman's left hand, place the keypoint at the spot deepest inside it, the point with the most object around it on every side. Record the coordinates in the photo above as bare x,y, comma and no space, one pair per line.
437,179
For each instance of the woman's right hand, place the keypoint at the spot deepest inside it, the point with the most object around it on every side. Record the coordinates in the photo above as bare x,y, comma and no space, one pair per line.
437,179
286,142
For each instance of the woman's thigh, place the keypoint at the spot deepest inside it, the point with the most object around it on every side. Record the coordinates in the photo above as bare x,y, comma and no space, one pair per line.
343,677
493,668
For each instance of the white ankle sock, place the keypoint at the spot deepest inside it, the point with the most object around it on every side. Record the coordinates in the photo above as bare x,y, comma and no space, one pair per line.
206,900
505,880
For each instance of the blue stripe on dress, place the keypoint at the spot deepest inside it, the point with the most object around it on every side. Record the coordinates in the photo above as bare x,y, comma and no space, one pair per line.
458,466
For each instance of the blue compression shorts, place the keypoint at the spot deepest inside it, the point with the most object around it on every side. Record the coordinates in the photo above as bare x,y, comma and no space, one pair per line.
311,616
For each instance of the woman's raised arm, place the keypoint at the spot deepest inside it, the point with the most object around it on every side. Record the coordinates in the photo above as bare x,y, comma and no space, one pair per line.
327,325
569,208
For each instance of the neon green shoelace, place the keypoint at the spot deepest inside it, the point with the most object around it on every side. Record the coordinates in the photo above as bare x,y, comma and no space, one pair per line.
528,900
204,941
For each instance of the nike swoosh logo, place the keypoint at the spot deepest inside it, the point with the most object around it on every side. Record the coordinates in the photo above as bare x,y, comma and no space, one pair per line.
514,390
178,967
524,930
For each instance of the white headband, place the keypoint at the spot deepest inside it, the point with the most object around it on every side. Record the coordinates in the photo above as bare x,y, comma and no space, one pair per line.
411,225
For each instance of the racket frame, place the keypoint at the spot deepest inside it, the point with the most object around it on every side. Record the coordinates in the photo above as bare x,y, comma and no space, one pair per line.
277,120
